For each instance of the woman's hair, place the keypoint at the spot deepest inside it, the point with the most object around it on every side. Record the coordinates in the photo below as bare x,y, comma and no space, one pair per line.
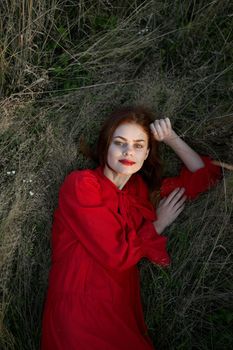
151,169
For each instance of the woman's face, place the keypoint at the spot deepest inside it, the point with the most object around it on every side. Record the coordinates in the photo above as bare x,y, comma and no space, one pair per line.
128,149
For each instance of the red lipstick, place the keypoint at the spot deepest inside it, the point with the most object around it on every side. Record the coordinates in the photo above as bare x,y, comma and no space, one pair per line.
126,162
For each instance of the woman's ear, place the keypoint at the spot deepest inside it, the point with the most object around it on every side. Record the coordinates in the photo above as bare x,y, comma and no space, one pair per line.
147,153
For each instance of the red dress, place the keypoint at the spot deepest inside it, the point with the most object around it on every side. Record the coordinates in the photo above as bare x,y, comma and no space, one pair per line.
99,235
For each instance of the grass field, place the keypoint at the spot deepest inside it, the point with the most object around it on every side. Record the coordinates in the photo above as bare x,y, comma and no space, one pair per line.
64,65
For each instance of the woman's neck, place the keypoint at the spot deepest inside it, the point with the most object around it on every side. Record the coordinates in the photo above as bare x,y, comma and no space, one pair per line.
118,179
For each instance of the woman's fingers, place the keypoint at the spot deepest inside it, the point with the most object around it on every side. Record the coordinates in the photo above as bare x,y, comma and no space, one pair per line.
161,128
174,203
179,211
180,203
158,128
162,201
175,195
168,123
154,131
169,208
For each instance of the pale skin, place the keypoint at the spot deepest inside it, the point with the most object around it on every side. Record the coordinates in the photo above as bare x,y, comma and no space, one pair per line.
130,142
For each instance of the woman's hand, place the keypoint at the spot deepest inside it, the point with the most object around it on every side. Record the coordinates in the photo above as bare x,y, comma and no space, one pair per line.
169,208
162,129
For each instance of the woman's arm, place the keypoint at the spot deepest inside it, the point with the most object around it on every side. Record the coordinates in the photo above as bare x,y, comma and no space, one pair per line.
198,175
172,205
162,131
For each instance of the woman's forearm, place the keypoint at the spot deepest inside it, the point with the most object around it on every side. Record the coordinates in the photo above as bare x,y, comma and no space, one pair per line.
189,157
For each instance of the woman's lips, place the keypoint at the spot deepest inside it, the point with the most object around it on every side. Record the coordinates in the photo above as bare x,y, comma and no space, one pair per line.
126,162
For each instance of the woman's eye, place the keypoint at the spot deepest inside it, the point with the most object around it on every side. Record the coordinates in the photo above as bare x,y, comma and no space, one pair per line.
118,143
122,144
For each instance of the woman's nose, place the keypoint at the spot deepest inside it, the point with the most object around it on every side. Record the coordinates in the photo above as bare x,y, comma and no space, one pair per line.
128,150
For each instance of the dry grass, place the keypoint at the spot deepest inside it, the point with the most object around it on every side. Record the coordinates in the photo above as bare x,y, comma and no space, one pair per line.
63,70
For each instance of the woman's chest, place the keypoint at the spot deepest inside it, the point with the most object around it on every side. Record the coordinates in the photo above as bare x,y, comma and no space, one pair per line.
127,207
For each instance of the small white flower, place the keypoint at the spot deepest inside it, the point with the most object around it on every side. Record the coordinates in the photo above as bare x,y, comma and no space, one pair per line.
30,180
13,172
8,172
143,31
24,180
31,193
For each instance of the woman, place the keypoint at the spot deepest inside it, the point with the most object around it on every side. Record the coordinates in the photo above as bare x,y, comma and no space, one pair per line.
105,223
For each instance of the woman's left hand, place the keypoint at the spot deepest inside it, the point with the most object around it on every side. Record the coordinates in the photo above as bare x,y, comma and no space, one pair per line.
162,129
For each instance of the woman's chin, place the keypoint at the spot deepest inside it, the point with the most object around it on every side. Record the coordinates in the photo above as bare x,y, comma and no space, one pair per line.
127,170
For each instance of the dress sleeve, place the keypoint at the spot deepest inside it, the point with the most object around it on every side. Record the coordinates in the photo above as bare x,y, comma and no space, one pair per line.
154,245
103,233
194,182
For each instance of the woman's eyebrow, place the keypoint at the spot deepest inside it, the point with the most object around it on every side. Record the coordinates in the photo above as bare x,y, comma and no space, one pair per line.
121,137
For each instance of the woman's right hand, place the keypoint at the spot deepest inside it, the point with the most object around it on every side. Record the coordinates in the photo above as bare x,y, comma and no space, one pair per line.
169,208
